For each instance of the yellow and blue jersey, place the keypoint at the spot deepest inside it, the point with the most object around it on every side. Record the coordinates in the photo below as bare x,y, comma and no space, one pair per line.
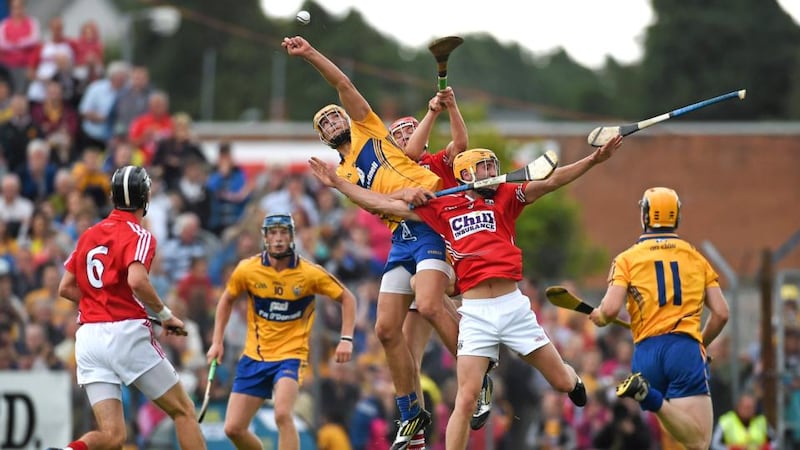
376,163
281,308
666,279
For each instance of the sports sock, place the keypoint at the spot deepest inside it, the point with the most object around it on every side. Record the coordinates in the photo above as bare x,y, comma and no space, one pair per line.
408,405
418,441
653,400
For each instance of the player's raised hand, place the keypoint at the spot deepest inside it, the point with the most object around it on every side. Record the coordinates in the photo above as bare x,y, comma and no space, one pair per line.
296,46
446,97
323,172
434,105
607,150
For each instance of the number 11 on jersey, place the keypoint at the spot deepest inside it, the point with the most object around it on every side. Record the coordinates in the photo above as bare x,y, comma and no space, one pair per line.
662,283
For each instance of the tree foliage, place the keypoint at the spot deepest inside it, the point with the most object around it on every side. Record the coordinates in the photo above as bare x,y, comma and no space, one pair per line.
693,50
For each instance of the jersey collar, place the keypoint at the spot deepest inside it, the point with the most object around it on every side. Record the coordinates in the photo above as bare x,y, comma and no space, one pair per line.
648,235
124,216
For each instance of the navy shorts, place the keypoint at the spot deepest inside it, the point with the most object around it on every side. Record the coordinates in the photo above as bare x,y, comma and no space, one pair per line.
413,242
674,364
258,378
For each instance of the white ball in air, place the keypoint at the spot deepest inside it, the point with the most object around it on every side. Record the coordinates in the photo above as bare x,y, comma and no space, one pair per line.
304,17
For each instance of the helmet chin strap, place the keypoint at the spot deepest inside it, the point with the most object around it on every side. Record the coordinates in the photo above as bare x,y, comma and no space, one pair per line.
285,254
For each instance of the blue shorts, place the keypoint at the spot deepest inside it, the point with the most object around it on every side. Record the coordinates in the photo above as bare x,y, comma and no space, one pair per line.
413,242
674,364
257,378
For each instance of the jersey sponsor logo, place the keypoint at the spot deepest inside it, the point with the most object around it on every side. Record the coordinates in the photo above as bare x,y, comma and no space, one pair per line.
279,310
471,223
662,244
367,165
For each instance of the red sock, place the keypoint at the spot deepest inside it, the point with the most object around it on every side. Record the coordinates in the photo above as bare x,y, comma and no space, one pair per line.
418,441
78,445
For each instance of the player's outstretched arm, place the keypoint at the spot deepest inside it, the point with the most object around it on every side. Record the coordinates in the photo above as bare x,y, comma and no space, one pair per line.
369,200
569,173
609,307
716,303
139,281
458,128
221,318
352,100
416,145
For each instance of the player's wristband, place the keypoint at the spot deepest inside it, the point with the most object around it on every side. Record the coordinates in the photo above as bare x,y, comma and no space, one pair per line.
346,338
165,314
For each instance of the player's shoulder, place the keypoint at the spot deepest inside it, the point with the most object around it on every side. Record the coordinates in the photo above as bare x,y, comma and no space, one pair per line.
132,230
631,251
306,265
249,261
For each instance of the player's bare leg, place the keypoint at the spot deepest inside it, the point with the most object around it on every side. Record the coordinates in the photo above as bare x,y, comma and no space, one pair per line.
688,419
431,284
285,397
110,431
470,370
392,309
560,375
177,404
241,410
417,332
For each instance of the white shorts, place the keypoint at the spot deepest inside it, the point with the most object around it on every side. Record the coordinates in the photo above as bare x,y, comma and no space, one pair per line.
508,320
398,279
116,352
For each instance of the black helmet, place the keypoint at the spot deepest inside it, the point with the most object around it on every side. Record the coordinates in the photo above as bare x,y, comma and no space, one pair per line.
130,188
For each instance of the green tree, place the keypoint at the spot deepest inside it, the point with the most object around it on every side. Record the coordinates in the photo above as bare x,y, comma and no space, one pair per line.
696,50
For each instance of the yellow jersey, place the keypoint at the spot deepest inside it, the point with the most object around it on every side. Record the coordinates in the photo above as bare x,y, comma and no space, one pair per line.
666,279
376,163
280,308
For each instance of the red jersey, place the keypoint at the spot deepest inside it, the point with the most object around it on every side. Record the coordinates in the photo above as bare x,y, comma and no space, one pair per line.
441,165
100,264
479,233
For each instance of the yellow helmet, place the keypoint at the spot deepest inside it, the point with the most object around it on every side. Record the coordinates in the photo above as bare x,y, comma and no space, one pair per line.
336,115
661,208
468,160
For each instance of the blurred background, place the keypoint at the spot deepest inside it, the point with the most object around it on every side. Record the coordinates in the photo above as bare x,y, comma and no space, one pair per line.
201,93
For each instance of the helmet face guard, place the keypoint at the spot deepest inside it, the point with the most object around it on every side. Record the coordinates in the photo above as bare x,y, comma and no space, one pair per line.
402,129
468,161
279,221
660,208
332,124
130,189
